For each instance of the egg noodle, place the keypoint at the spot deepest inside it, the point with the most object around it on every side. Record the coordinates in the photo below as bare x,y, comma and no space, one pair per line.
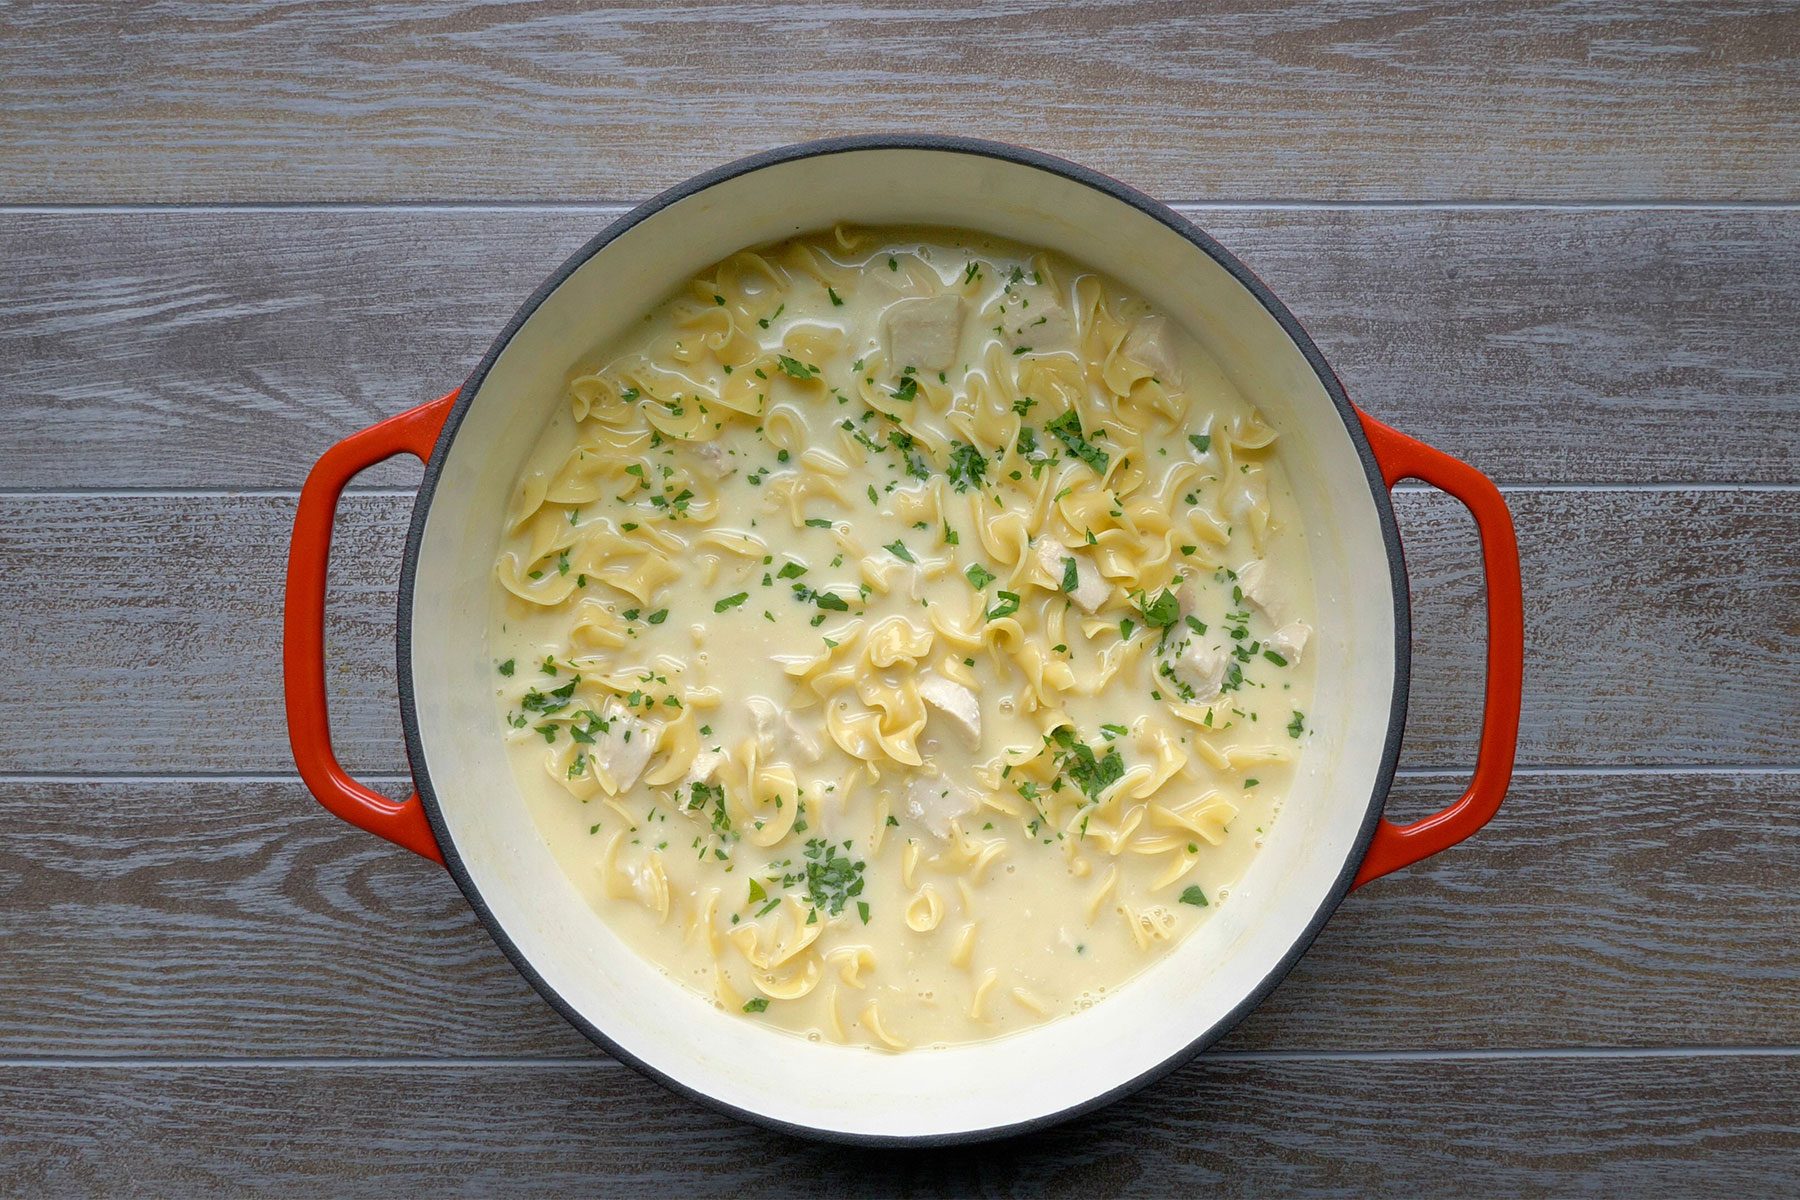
901,635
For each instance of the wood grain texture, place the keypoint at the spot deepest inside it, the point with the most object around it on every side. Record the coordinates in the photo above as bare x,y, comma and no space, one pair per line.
1673,612
229,349
184,101
1704,1126
210,985
189,919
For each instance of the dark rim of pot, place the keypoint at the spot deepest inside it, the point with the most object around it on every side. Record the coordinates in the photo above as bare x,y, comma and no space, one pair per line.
1144,204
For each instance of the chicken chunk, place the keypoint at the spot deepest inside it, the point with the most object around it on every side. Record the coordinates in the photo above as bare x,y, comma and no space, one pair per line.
1203,669
1151,344
621,749
1091,589
936,801
956,702
706,764
804,736
713,457
924,332
767,719
1191,591
1253,580
779,732
1289,640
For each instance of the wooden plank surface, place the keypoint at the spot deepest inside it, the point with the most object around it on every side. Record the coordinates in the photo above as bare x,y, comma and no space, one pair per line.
1672,611
228,349
1706,1125
1559,240
1232,99
178,919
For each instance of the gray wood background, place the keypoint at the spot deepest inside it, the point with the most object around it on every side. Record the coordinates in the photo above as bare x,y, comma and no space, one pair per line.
1561,240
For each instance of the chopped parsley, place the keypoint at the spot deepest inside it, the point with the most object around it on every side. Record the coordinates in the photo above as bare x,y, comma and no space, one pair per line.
898,549
757,1004
967,466
903,442
552,701
507,667
730,602
1067,430
979,575
1161,612
1297,725
796,369
594,725
1193,895
1092,774
700,795
1009,604
1070,576
1201,441
833,878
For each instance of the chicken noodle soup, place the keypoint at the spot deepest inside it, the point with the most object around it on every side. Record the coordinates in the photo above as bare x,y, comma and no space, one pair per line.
901,636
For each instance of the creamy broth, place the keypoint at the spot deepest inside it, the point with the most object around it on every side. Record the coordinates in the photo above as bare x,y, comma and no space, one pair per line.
901,636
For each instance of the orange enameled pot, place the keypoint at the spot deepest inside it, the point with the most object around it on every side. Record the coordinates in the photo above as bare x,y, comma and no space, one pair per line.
467,813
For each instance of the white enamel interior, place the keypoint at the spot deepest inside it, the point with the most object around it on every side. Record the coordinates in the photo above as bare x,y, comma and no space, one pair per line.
854,1091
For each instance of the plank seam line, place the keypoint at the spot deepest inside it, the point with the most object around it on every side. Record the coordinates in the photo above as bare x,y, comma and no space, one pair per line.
619,207
384,779
179,493
563,1062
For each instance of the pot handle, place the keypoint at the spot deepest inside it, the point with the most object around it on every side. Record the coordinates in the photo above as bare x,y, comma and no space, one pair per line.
1401,457
303,627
